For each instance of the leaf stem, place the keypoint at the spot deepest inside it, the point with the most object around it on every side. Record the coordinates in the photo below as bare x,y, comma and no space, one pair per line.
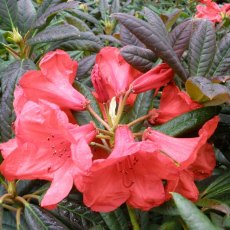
91,110
9,207
105,132
18,217
139,120
5,196
133,218
103,137
31,196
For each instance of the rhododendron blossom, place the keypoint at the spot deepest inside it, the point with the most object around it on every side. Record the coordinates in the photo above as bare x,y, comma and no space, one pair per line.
212,11
182,150
153,79
200,168
48,147
132,173
173,103
54,82
111,75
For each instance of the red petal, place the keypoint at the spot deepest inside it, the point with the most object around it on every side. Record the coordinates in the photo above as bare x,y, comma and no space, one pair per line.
153,79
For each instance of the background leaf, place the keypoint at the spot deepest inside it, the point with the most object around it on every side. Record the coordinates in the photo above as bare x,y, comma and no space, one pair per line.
84,65
140,58
205,92
38,218
127,38
141,107
188,122
87,92
9,79
41,19
180,36
153,40
221,62
202,48
8,14
26,15
191,215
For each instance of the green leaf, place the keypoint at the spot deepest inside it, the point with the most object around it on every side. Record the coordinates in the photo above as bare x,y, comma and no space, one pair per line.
104,8
41,21
172,18
156,24
8,14
153,40
213,204
115,7
180,36
55,33
128,38
221,62
8,221
141,107
202,48
26,15
202,90
38,218
191,215
78,23
46,4
76,215
87,92
84,16
84,65
109,38
219,189
188,122
9,79
86,41
140,58
168,208
115,220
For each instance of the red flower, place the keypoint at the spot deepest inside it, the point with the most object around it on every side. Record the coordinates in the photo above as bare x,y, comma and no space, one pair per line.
209,11
173,103
182,150
54,82
225,9
132,173
48,147
153,79
199,169
111,74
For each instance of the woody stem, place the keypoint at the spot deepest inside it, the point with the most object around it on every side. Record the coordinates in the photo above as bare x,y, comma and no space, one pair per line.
133,218
139,120
90,109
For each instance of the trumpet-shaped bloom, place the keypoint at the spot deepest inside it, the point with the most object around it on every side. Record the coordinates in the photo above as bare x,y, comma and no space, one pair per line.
210,11
173,103
54,82
182,150
199,169
48,147
132,173
111,74
153,79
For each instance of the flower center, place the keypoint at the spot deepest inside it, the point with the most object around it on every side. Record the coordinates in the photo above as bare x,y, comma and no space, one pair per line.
59,149
126,168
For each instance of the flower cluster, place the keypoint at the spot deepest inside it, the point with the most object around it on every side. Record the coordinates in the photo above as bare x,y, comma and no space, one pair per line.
212,11
109,166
